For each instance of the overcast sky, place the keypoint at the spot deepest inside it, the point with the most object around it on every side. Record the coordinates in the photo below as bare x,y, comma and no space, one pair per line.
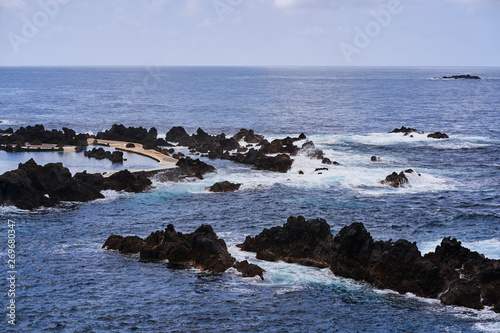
250,32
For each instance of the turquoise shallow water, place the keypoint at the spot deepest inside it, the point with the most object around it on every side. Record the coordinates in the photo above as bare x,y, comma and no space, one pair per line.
67,282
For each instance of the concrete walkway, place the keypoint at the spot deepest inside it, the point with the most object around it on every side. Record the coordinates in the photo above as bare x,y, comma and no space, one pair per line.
166,162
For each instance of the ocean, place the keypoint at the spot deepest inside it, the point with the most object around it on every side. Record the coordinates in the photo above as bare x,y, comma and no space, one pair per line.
67,283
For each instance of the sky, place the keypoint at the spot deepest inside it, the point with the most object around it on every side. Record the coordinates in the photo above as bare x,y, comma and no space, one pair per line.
250,32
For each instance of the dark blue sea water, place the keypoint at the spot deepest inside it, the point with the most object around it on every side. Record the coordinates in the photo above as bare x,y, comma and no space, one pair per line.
66,282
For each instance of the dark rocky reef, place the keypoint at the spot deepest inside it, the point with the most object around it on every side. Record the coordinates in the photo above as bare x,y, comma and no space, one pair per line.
438,135
187,168
454,274
31,185
466,76
405,130
397,179
224,186
38,134
201,248
297,241
132,134
101,154
222,147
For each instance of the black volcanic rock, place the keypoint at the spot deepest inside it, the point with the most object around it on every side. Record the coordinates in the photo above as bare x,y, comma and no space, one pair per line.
126,181
224,186
131,134
438,135
405,130
100,154
466,76
397,180
201,248
38,134
297,241
453,273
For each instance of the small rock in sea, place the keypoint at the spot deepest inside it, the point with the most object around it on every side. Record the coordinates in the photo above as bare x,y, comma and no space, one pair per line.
374,158
438,135
224,186
301,172
320,169
466,76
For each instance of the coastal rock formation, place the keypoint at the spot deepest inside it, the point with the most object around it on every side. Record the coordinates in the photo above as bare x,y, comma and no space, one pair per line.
219,146
224,186
438,135
31,185
397,179
466,76
297,241
454,274
38,134
201,248
100,154
405,130
131,134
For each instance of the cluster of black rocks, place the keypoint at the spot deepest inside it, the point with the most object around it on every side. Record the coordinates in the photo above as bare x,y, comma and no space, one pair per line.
409,130
397,179
101,154
201,248
31,185
463,76
454,274
36,135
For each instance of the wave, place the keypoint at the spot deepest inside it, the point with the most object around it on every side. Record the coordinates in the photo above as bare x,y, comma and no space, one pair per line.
456,141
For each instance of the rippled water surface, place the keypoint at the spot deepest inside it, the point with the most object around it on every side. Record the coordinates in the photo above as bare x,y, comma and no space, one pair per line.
67,282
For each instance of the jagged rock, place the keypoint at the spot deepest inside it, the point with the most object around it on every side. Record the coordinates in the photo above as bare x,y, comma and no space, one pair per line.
248,136
405,130
297,241
462,292
309,149
249,270
32,186
397,180
194,168
178,134
438,135
374,159
224,186
38,134
130,134
201,248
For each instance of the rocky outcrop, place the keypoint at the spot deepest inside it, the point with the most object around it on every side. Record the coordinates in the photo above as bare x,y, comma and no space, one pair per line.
201,248
126,181
38,134
224,186
397,179
454,274
438,135
100,154
405,130
466,76
297,241
219,146
131,134
31,185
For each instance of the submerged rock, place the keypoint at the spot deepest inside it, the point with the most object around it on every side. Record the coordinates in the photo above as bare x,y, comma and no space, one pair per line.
405,130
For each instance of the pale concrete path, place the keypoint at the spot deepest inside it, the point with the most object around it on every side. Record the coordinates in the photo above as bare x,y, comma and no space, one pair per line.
166,162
